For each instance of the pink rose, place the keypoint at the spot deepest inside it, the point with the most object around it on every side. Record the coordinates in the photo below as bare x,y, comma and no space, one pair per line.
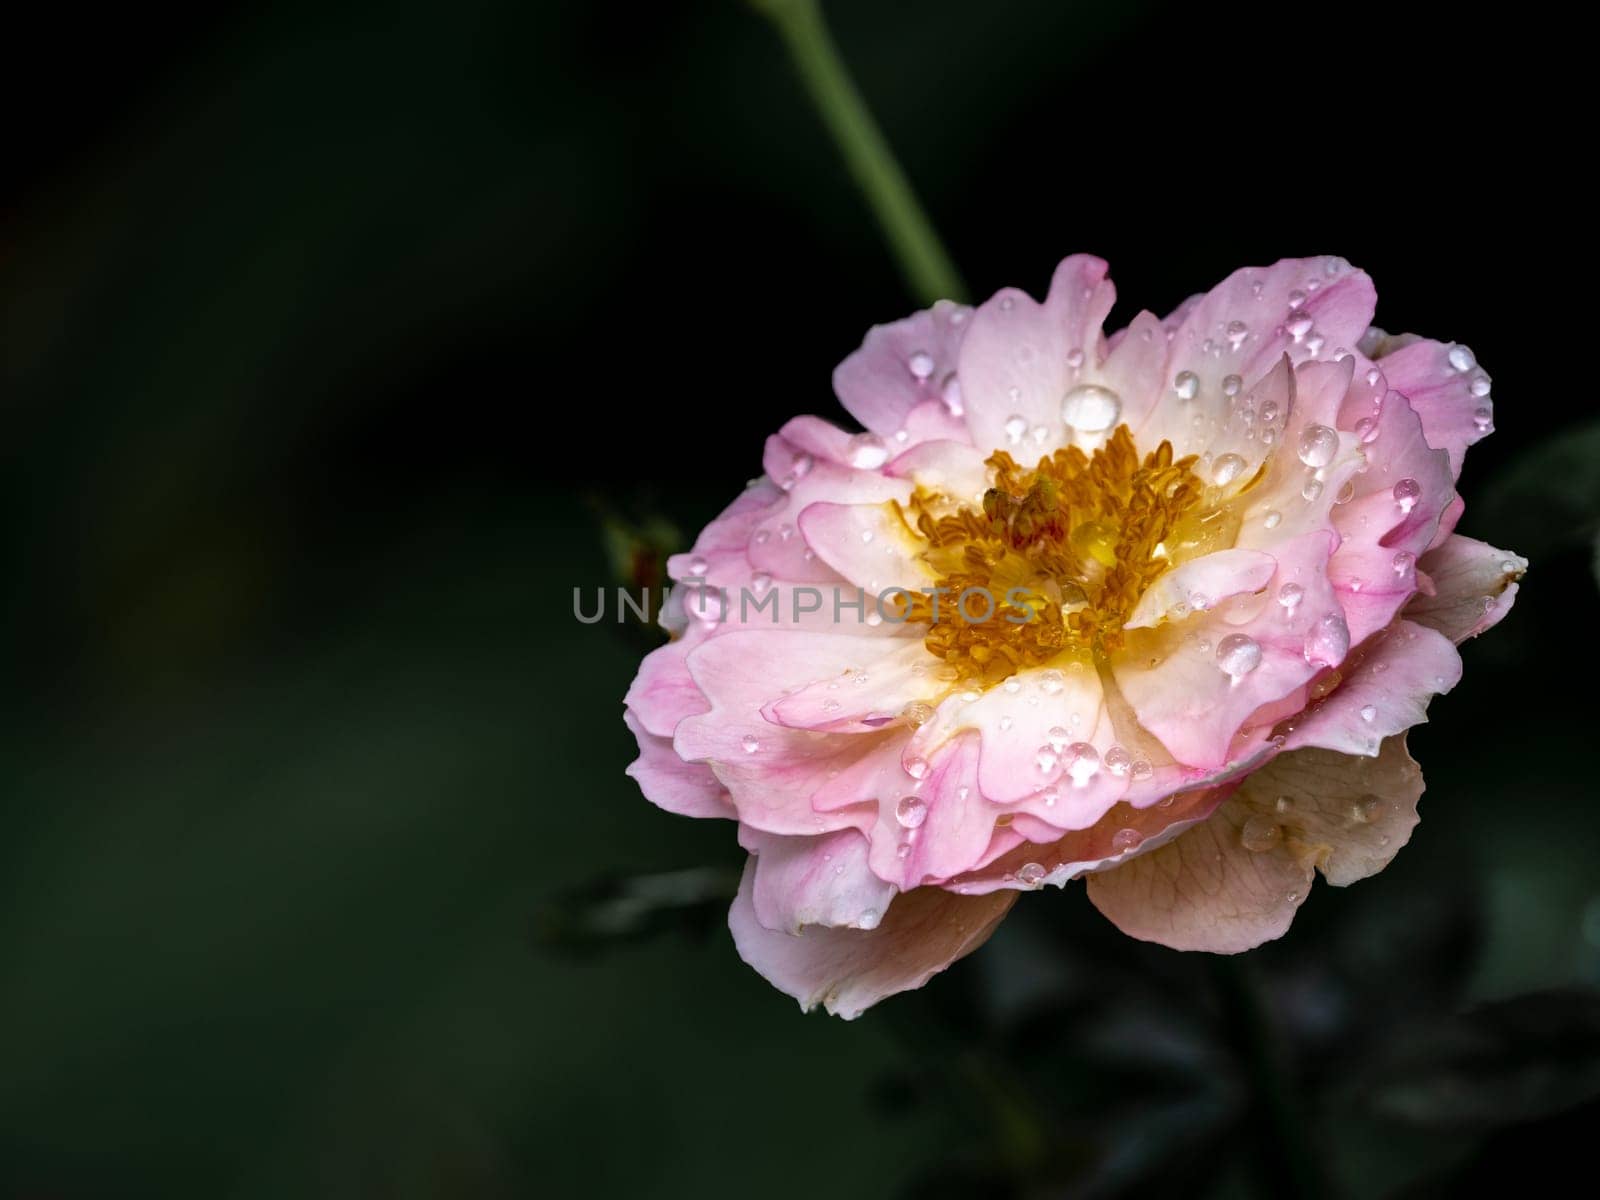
1210,578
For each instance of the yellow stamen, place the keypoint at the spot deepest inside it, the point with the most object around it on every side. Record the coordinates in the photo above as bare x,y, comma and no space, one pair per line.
1070,545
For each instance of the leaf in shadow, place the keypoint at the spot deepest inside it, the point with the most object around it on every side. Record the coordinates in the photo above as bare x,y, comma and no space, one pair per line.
613,912
1507,1062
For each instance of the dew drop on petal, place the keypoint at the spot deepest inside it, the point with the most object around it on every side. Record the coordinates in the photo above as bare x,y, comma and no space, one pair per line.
1318,445
1312,490
1403,562
1231,385
867,451
1045,760
750,743
1226,469
1298,327
1296,298
1290,595
1369,713
1328,641
1461,358
1015,427
1083,763
1141,769
1237,332
1483,419
1272,519
1118,761
916,767
1406,494
1238,655
1260,834
1090,408
1126,839
921,364
697,565
917,713
1031,874
911,811
1187,385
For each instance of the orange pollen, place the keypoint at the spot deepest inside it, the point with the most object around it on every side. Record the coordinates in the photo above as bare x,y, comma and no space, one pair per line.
1065,549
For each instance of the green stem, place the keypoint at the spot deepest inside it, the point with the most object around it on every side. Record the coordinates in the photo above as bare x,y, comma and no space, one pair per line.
927,268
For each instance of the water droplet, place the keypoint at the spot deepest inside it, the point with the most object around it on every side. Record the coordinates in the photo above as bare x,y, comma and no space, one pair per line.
1318,445
697,565
1141,769
903,850
1369,713
1226,469
1118,761
917,713
1260,834
1347,493
1312,490
1045,760
750,743
1090,408
1328,641
867,451
916,767
1290,595
1406,494
1015,427
1075,358
1299,326
921,364
1237,332
1231,385
1272,519
1031,874
1403,562
1238,655
1187,385
1366,430
1296,298
1365,810
1083,763
869,919
1461,358
911,811
1479,387
1483,419
1283,804
1126,839
1052,683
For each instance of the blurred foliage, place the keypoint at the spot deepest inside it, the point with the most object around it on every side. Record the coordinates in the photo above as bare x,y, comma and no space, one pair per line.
339,343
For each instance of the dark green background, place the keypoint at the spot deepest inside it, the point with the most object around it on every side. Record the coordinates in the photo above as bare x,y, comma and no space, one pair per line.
326,328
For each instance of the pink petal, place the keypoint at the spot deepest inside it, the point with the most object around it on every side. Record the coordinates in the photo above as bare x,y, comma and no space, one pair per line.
1474,586
822,880
1181,690
939,826
868,544
849,970
1016,361
1387,684
1382,530
901,365
662,693
886,675
688,789
1209,890
1448,390
775,774
1214,577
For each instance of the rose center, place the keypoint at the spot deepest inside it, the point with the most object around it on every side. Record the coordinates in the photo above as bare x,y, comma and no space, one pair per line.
1059,554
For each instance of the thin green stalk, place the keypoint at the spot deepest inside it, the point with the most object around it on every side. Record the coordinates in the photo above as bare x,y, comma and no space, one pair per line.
927,268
